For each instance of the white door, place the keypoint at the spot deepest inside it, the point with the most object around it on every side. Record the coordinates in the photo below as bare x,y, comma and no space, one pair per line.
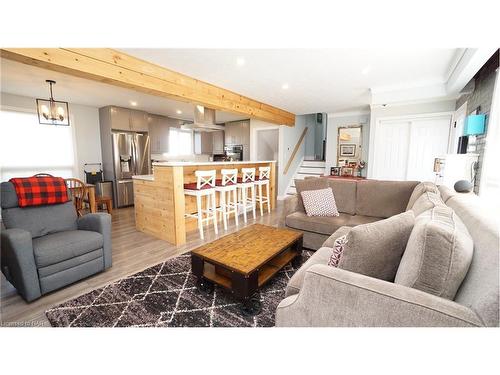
428,140
404,149
391,150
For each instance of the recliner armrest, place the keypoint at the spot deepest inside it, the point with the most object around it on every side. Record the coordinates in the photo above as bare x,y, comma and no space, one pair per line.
99,222
332,297
18,262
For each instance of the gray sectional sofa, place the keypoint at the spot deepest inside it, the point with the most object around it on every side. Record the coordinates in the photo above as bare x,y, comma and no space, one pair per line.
358,202
44,248
321,295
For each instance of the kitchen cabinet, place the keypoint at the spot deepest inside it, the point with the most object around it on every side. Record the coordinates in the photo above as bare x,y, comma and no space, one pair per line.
237,133
218,142
127,119
120,118
159,129
138,121
203,143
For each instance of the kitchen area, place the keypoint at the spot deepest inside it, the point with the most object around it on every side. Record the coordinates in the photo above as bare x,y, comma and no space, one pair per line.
132,141
150,157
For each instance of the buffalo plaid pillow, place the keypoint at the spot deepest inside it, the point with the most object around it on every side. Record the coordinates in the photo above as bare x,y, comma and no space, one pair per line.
40,190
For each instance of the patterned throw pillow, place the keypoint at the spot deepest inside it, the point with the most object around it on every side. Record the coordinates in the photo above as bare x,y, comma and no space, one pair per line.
320,202
338,248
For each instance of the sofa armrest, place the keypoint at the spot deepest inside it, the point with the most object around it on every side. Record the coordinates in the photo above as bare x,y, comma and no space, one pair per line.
100,222
291,205
18,262
334,297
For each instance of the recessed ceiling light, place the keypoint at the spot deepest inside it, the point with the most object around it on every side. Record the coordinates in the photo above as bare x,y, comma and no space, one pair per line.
179,112
240,61
285,86
366,70
133,104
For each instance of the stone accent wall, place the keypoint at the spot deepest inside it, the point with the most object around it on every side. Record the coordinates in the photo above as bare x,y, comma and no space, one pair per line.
481,97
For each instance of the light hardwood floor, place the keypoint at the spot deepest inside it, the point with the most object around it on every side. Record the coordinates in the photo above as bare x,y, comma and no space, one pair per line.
133,251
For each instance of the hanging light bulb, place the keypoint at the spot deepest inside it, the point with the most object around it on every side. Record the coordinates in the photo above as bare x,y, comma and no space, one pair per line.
51,111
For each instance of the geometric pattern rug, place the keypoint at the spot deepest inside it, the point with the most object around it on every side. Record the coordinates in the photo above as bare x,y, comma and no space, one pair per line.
166,295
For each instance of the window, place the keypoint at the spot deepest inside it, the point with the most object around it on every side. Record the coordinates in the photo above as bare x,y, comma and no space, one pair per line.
180,142
27,148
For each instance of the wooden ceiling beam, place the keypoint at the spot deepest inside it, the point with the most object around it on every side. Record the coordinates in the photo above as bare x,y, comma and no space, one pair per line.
119,69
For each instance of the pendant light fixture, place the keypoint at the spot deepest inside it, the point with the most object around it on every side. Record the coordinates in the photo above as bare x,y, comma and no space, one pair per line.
52,112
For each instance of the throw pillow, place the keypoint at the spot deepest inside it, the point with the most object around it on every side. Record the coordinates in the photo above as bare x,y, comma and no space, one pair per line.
320,202
338,249
375,249
420,189
426,202
438,254
307,184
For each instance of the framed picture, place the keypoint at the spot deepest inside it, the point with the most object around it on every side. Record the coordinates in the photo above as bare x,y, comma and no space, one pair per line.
347,171
352,164
348,149
335,171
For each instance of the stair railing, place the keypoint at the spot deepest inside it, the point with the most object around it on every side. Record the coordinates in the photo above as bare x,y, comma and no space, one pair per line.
296,148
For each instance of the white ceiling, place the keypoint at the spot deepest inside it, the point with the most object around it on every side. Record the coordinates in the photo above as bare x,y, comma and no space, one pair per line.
319,80
26,80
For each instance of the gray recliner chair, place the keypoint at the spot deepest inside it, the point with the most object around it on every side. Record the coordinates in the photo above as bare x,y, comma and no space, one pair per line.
44,248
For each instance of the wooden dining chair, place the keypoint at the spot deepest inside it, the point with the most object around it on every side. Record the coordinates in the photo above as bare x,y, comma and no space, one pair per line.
77,192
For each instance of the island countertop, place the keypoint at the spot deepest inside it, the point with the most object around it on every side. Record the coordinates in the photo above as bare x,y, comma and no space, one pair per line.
160,202
193,163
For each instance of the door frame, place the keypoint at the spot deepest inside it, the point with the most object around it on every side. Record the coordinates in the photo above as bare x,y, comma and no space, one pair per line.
408,118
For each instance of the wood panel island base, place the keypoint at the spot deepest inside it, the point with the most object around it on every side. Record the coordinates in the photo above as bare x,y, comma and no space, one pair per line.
244,261
160,203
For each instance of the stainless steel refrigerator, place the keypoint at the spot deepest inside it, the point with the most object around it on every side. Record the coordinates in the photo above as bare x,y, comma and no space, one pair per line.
131,156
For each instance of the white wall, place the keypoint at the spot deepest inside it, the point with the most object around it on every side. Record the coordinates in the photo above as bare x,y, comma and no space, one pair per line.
339,120
84,120
288,139
255,125
378,112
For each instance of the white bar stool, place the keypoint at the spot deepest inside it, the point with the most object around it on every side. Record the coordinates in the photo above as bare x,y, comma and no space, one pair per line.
204,187
245,182
263,180
227,187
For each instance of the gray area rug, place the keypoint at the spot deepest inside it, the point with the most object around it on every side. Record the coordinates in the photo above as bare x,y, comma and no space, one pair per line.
165,295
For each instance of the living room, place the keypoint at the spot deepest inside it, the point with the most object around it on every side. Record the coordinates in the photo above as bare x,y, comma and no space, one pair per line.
207,186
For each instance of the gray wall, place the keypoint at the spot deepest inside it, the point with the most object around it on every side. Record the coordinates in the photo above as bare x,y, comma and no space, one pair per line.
482,96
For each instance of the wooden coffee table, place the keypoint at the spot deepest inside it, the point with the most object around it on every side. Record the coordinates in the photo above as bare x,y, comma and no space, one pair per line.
243,261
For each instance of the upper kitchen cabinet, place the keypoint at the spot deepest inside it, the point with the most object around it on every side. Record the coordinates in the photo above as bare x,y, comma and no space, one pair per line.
218,142
158,133
238,133
125,119
138,121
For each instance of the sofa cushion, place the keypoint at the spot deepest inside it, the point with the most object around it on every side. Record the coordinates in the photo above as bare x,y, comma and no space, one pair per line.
60,246
317,224
345,194
375,249
342,231
41,220
427,201
319,202
383,198
446,193
309,184
420,189
321,256
438,254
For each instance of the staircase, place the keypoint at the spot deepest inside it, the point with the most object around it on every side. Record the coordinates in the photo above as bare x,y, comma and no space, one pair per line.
308,168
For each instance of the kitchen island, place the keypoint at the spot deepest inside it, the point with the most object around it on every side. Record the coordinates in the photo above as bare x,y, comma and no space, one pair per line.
160,203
